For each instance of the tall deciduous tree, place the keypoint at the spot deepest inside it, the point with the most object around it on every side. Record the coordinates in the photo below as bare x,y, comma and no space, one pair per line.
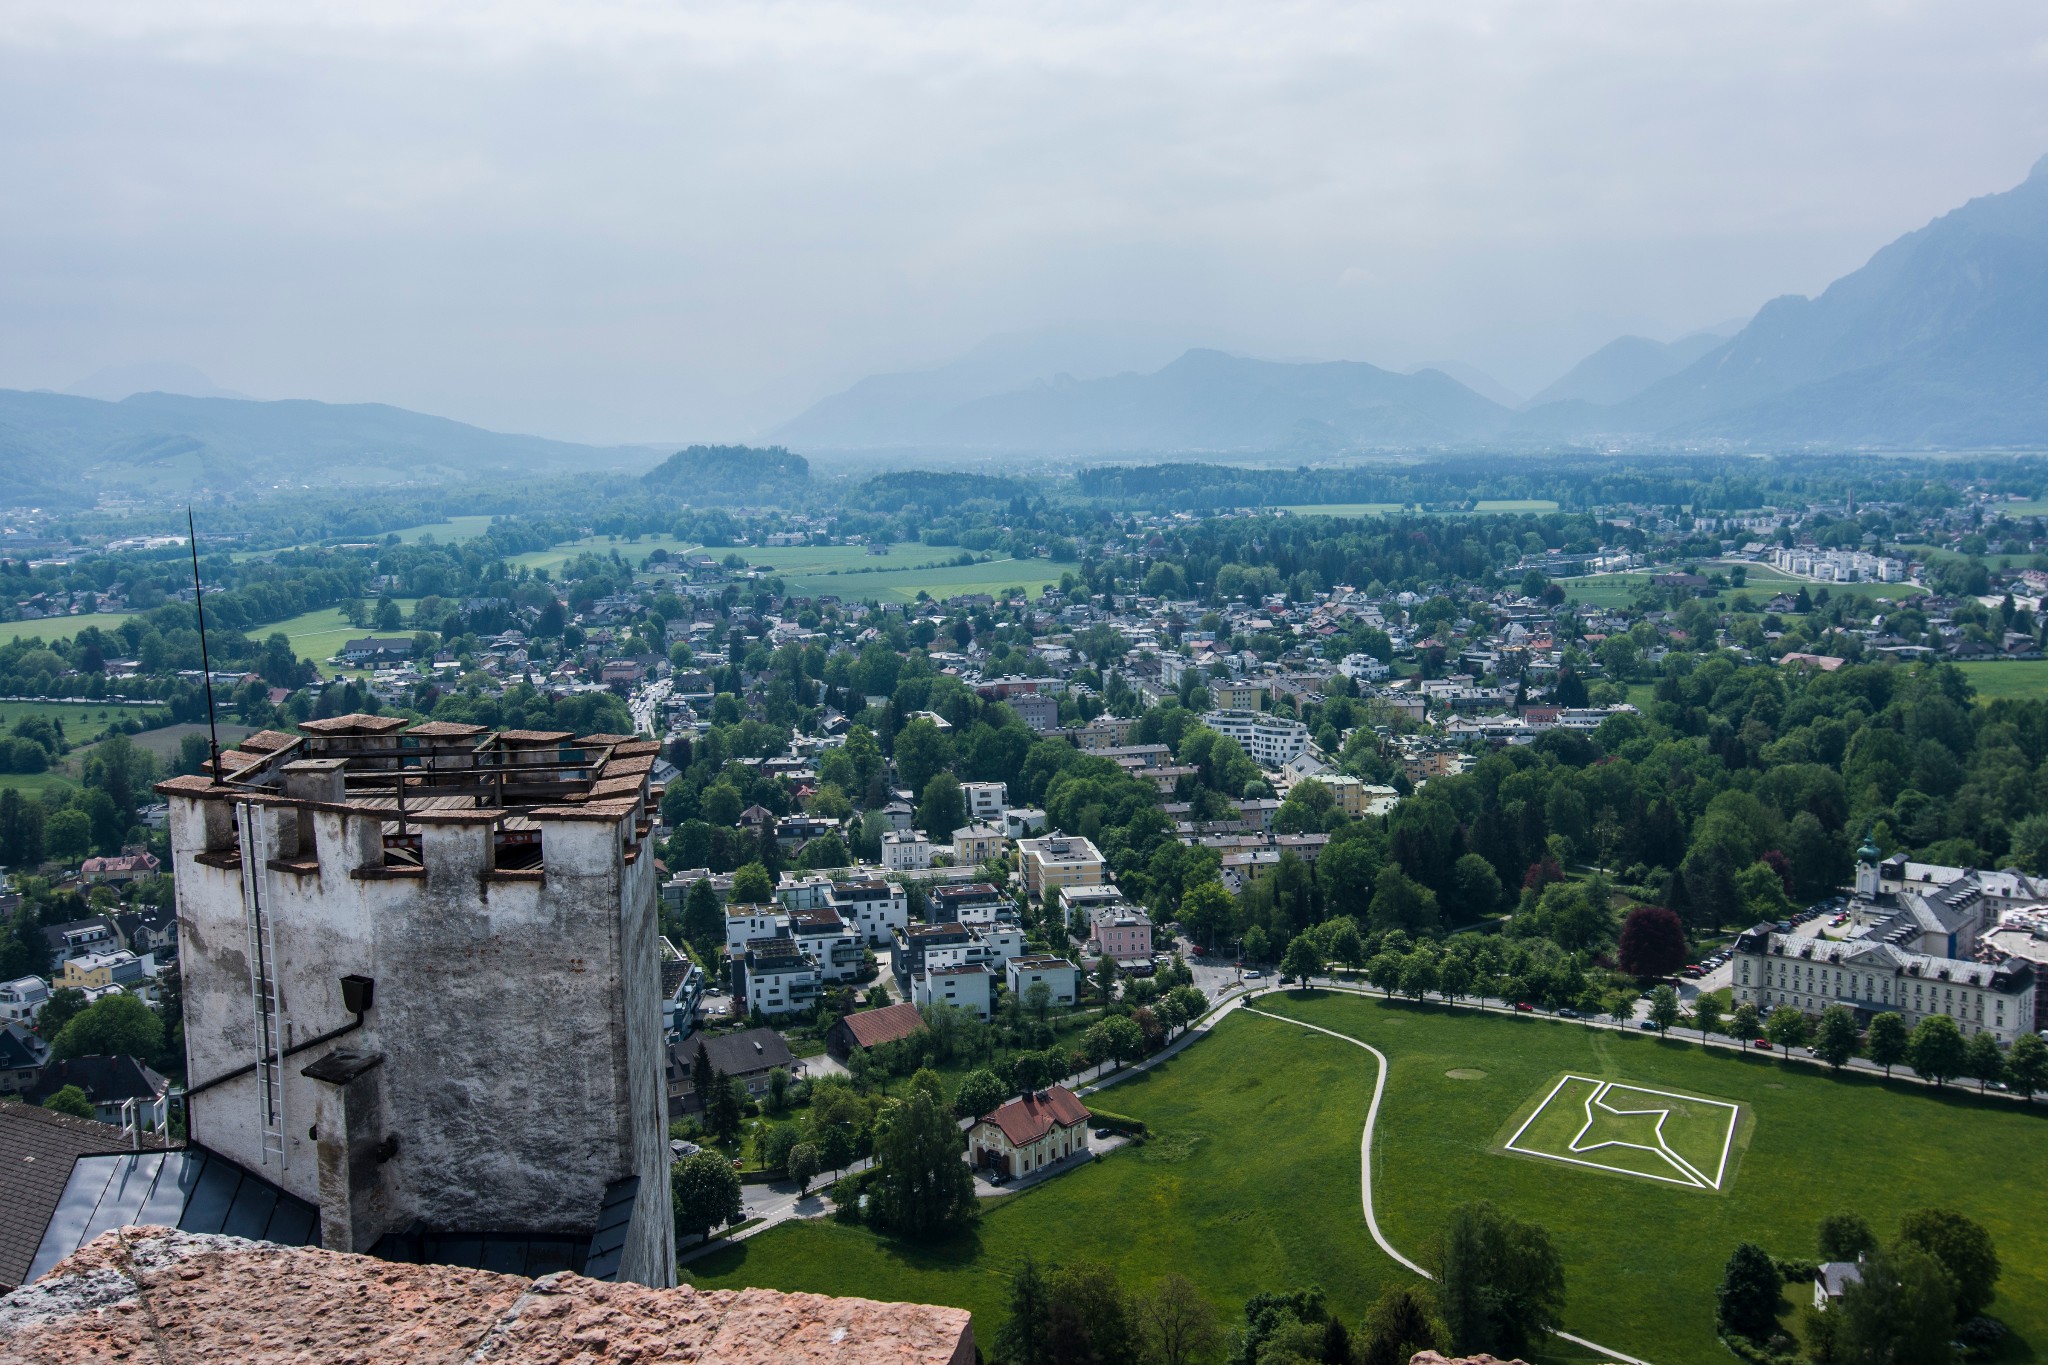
1834,1042
1937,1049
1301,961
1902,1313
704,1192
1652,942
1500,1281
1888,1041
1746,1302
1179,1323
1706,1015
1983,1060
1025,1338
1965,1251
2027,1064
921,1186
113,1026
1400,1323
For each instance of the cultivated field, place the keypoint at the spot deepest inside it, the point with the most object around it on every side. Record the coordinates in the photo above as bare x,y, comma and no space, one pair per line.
1251,1180
315,635
59,627
634,551
453,529
2026,679
1377,509
940,581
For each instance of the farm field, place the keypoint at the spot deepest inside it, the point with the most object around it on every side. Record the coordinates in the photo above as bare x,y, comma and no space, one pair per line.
1604,590
454,528
1251,1180
1762,578
315,635
79,718
60,627
1996,678
634,552
806,559
1375,509
941,581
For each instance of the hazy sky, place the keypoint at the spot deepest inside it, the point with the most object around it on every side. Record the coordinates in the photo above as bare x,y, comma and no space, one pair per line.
664,221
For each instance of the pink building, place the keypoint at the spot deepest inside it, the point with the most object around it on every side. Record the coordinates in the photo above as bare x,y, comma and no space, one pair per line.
1121,932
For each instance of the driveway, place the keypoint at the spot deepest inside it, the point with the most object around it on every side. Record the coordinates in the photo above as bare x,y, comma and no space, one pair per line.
1096,1147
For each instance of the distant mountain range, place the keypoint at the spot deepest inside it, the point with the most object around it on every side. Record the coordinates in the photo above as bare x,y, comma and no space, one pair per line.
62,449
1940,340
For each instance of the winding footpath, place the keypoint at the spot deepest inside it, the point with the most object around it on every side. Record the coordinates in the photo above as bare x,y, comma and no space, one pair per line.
1372,1114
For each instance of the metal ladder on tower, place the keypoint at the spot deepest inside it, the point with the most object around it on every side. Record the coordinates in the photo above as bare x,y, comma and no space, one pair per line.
252,826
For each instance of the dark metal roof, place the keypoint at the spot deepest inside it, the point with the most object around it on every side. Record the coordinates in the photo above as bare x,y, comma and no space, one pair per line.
191,1189
37,1150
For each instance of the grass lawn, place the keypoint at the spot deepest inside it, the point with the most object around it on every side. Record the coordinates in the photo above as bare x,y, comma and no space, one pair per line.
634,550
1643,1256
36,783
1340,509
1251,1180
453,529
1995,678
316,635
80,719
1605,589
941,581
797,559
1189,1201
59,627
1377,509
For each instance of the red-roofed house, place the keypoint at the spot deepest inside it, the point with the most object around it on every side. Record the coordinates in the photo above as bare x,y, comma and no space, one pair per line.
1030,1133
121,868
872,1027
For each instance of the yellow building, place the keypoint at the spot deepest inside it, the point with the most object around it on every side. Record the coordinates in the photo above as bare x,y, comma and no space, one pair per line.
1237,696
1058,860
974,845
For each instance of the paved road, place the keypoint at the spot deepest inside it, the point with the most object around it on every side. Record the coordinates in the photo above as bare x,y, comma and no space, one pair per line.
645,705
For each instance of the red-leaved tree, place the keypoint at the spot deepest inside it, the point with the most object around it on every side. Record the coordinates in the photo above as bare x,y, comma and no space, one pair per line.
1652,942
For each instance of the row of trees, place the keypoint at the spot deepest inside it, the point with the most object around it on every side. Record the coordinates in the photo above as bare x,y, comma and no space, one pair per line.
1499,1288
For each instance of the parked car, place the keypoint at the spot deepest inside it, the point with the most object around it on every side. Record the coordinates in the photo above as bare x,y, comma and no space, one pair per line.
999,1178
1105,1133
1783,926
1761,1044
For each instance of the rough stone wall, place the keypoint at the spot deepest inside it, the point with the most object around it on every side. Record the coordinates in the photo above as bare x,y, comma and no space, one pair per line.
520,1021
152,1296
650,1254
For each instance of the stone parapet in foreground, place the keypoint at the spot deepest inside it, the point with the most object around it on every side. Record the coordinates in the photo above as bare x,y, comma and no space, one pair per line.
153,1296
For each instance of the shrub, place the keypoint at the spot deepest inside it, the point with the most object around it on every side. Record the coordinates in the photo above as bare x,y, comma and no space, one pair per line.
1122,1123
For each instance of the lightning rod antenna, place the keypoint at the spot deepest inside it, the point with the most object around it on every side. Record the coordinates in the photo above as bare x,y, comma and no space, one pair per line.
205,662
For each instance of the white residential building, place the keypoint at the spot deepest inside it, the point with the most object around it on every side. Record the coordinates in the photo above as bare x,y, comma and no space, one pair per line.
1269,740
964,985
906,851
1059,976
21,998
985,800
876,908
